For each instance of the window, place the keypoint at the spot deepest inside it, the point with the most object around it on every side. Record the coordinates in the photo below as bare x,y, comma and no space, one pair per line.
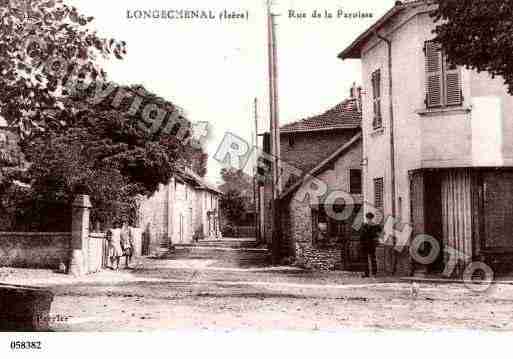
328,232
443,81
377,121
355,181
320,227
378,193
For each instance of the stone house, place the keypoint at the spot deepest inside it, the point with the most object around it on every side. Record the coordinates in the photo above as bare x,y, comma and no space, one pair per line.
313,236
182,211
437,146
328,147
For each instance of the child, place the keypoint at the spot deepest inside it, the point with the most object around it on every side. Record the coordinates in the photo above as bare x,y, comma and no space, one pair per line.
126,244
115,251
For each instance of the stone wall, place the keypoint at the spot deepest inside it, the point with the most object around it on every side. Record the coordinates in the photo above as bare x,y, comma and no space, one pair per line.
297,232
34,250
298,239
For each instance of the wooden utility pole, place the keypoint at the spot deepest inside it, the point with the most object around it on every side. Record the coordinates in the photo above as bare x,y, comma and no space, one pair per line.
256,187
274,134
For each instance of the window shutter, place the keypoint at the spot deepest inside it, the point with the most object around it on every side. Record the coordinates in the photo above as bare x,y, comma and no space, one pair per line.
434,89
376,99
378,84
453,95
377,120
378,192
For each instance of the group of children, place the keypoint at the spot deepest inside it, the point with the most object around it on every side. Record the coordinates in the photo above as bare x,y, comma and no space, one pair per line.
121,244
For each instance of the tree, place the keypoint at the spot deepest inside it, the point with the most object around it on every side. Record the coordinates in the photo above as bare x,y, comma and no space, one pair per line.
45,45
237,180
232,205
106,153
477,34
129,139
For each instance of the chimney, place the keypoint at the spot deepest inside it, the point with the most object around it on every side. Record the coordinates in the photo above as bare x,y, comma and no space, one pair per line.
352,91
355,93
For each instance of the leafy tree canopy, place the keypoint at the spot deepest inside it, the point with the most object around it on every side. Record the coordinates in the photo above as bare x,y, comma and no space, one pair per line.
45,44
104,151
237,180
232,205
477,34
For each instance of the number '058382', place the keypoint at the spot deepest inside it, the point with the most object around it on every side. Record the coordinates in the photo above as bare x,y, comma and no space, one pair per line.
25,345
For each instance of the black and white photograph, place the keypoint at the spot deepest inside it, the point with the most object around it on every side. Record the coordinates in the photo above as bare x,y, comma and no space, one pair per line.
267,166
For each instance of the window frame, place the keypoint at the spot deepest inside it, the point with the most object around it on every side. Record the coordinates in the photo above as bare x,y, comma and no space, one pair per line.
336,231
377,116
447,97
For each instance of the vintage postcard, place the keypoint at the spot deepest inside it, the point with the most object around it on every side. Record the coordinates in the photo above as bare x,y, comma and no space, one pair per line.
232,166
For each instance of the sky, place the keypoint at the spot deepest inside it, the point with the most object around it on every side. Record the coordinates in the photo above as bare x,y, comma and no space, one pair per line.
214,69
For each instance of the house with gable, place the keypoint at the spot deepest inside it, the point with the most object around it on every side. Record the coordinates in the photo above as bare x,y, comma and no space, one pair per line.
183,211
327,147
437,146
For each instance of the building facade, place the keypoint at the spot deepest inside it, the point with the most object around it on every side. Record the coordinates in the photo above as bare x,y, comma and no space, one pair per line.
437,143
310,232
327,147
181,212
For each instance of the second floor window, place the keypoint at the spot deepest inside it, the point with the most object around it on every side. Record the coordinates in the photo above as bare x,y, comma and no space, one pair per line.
443,81
377,120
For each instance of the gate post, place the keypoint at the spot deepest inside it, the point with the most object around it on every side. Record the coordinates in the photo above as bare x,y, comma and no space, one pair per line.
80,235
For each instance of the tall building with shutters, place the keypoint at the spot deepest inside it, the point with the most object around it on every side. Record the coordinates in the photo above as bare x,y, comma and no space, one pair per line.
437,142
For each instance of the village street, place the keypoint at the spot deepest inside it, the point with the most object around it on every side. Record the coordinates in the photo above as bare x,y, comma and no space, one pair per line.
207,294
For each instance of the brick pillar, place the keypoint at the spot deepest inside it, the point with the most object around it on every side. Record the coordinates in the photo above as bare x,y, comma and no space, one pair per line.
80,235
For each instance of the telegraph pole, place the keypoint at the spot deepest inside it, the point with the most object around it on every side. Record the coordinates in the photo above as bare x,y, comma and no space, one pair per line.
256,187
274,134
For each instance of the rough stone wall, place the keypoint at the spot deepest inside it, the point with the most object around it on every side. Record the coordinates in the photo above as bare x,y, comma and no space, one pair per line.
297,227
308,150
299,238
34,250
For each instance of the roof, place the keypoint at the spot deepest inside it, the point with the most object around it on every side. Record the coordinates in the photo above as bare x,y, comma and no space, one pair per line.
323,165
189,175
345,115
353,51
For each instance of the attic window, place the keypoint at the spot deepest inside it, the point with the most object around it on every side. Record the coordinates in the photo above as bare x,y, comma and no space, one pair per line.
291,140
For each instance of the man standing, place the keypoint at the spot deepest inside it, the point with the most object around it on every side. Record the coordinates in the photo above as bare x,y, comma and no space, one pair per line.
369,236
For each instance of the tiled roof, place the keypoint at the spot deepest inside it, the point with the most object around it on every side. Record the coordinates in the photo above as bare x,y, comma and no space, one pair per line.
344,115
199,181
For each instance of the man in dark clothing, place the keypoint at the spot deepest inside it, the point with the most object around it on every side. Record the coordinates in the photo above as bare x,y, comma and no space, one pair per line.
369,235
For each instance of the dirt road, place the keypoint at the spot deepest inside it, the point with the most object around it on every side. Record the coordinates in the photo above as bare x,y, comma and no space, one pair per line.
201,294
